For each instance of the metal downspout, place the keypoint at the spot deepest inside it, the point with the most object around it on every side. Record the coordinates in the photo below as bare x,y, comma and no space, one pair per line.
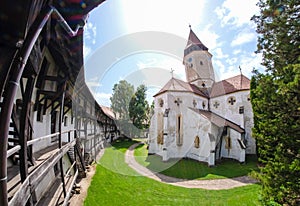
17,69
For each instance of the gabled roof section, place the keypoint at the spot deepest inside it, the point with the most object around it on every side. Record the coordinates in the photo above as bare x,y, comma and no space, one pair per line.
177,85
218,120
108,111
233,84
193,44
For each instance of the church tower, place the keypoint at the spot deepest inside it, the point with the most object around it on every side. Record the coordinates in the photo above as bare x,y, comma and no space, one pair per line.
197,60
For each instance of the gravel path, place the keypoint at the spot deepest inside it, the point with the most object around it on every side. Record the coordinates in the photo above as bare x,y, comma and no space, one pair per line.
215,184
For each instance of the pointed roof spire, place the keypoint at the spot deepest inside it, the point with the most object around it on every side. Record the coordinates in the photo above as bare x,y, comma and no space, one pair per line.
194,43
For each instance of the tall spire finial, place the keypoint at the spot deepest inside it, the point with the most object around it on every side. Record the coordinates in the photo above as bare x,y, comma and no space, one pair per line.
240,69
172,71
190,26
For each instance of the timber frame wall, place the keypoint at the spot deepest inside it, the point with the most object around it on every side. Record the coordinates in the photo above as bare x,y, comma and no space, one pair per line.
45,106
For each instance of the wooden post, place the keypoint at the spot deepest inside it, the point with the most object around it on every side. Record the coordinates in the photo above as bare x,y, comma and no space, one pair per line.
17,68
61,113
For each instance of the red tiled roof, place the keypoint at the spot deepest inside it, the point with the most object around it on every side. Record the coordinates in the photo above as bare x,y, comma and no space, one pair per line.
108,112
233,84
218,120
178,85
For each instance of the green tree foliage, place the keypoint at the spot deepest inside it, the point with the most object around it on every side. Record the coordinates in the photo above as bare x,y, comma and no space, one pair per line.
139,108
275,97
121,97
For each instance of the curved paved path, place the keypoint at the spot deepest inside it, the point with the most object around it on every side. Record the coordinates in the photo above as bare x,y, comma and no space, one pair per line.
215,184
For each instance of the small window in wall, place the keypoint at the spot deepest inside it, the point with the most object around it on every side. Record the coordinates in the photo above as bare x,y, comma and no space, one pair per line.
194,103
241,110
203,104
227,142
201,63
161,102
248,97
72,119
65,121
231,100
197,142
39,117
179,132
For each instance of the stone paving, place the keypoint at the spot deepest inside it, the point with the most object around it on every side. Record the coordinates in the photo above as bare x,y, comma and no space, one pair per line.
215,184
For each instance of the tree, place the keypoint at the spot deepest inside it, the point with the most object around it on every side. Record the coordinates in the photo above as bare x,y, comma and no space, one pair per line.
122,94
275,98
138,108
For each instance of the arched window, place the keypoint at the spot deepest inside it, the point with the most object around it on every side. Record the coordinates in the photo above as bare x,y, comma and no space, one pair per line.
197,142
179,132
160,128
227,142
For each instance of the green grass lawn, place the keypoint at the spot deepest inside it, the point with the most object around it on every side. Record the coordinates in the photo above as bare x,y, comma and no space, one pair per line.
191,169
117,184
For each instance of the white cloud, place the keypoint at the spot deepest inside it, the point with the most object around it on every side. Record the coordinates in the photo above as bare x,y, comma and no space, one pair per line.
248,62
231,61
147,63
103,98
219,68
237,13
218,54
90,32
208,37
242,38
236,51
91,84
168,15
86,51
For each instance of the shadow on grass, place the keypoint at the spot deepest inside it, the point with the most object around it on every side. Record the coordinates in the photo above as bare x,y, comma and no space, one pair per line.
191,169
122,144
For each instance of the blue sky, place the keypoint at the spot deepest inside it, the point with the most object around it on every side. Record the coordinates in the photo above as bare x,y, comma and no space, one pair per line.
141,40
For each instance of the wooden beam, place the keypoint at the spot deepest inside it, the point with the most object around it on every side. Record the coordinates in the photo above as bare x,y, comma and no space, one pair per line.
22,195
66,200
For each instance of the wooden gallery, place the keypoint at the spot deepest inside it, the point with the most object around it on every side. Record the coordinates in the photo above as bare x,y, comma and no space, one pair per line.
51,126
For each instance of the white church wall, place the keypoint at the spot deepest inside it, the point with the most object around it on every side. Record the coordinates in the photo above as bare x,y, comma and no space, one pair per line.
232,113
234,151
200,127
191,123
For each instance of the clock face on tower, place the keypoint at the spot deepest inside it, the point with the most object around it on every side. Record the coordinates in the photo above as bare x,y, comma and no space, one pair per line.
190,59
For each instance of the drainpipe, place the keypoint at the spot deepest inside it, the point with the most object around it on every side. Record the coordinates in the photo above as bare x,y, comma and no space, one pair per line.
17,68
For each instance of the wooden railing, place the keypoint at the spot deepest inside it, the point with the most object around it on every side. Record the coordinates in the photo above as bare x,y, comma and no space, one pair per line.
28,186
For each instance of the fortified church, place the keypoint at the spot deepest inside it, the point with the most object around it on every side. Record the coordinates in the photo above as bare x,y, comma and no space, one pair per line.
202,119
